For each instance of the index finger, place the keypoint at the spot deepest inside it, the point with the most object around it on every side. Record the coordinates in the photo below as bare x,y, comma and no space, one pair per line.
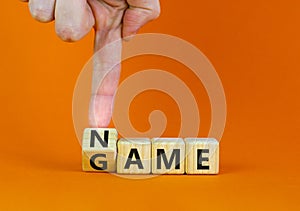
106,73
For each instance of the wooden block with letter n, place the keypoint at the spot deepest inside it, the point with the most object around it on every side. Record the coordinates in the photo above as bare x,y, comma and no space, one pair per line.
168,155
134,156
99,149
202,156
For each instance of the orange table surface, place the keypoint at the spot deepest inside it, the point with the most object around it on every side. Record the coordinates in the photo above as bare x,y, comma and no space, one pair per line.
254,46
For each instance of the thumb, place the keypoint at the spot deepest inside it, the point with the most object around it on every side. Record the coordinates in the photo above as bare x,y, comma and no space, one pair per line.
138,14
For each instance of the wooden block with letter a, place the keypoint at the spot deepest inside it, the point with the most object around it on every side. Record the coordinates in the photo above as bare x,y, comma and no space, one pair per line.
134,156
168,155
99,149
202,156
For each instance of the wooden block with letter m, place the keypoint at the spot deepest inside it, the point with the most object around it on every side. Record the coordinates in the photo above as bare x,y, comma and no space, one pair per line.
99,149
168,155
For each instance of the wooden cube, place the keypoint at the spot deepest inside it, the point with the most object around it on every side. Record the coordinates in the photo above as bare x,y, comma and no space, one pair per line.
99,149
202,156
168,155
134,156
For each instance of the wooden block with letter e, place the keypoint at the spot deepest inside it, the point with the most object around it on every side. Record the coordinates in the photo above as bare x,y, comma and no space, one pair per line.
168,155
134,156
202,156
99,149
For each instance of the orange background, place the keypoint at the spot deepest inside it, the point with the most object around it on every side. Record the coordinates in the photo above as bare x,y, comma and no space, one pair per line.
254,46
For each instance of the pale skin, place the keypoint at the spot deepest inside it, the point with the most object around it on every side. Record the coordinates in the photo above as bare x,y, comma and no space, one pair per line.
112,20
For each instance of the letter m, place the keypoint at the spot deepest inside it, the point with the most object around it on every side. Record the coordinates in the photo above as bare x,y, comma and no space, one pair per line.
168,164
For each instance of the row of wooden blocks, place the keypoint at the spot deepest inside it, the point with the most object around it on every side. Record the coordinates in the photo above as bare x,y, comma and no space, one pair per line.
103,152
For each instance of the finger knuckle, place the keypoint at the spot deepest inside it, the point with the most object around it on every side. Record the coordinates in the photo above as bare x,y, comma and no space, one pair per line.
41,13
68,33
155,13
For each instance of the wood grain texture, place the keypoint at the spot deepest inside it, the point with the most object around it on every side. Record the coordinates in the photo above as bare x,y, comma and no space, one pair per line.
96,154
129,150
168,155
202,156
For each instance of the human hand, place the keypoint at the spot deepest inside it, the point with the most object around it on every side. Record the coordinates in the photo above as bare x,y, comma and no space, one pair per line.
111,20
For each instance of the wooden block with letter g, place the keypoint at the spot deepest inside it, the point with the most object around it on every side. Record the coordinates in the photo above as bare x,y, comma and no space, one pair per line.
202,156
99,149
168,155
134,156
